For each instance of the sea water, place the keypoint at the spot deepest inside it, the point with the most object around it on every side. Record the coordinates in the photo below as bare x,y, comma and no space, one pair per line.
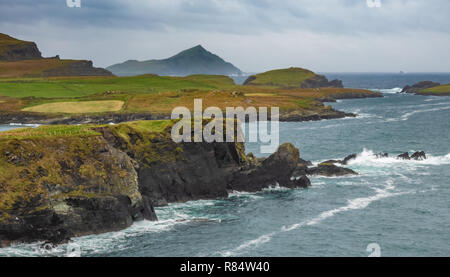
401,206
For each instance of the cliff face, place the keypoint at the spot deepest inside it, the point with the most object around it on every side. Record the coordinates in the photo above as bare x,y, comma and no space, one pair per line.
21,52
77,68
59,182
12,49
20,58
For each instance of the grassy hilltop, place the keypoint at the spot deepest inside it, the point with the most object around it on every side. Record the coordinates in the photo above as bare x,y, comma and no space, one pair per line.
291,78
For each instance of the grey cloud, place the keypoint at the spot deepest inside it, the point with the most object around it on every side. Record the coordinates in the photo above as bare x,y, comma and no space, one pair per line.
326,35
236,16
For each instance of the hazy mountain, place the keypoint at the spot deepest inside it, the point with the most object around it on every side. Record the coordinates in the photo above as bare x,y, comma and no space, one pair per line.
196,60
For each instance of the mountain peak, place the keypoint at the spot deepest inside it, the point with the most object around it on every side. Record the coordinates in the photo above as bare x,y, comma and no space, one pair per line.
195,60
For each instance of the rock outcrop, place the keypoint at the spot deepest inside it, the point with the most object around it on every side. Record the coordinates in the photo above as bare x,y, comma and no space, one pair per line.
416,88
60,182
418,156
329,169
276,169
12,49
20,59
320,81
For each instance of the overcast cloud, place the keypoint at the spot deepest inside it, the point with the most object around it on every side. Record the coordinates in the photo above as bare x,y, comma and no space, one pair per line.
255,35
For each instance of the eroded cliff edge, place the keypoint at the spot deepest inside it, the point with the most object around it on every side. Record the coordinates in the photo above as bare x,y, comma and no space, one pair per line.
57,182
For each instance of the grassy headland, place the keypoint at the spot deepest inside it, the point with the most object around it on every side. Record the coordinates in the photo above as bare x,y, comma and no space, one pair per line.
66,96
288,77
442,90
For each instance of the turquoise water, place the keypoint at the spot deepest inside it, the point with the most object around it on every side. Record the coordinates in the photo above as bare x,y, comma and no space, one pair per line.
403,206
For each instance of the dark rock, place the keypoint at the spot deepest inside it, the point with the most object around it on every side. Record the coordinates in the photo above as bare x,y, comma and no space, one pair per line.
24,51
382,155
304,162
300,182
419,156
419,86
404,156
277,168
301,170
348,158
330,170
320,81
249,80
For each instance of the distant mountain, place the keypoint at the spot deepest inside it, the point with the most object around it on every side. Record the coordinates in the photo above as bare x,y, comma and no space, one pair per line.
19,58
196,60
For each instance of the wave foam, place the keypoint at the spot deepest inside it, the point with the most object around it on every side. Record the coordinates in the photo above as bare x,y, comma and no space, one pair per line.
368,158
352,204
389,91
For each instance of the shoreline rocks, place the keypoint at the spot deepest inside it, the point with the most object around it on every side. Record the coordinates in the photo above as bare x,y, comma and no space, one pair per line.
47,119
418,156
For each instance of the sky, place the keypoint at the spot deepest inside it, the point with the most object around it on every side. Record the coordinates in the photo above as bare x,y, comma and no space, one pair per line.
254,35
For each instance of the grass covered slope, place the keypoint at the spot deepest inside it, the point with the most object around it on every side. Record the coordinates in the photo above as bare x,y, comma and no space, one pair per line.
289,78
196,60
442,90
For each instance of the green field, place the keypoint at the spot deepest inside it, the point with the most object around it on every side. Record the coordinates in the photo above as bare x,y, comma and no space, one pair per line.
79,86
154,94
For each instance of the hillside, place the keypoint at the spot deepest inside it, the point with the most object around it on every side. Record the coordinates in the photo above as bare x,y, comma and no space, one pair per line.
289,78
22,59
12,49
196,60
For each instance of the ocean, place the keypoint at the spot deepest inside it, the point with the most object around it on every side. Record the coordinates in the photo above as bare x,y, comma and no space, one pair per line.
398,208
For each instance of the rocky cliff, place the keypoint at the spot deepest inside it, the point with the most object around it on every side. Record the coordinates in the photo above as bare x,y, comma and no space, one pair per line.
57,182
12,49
20,58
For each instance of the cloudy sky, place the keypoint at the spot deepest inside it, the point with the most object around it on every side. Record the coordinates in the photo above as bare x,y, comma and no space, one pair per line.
255,35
